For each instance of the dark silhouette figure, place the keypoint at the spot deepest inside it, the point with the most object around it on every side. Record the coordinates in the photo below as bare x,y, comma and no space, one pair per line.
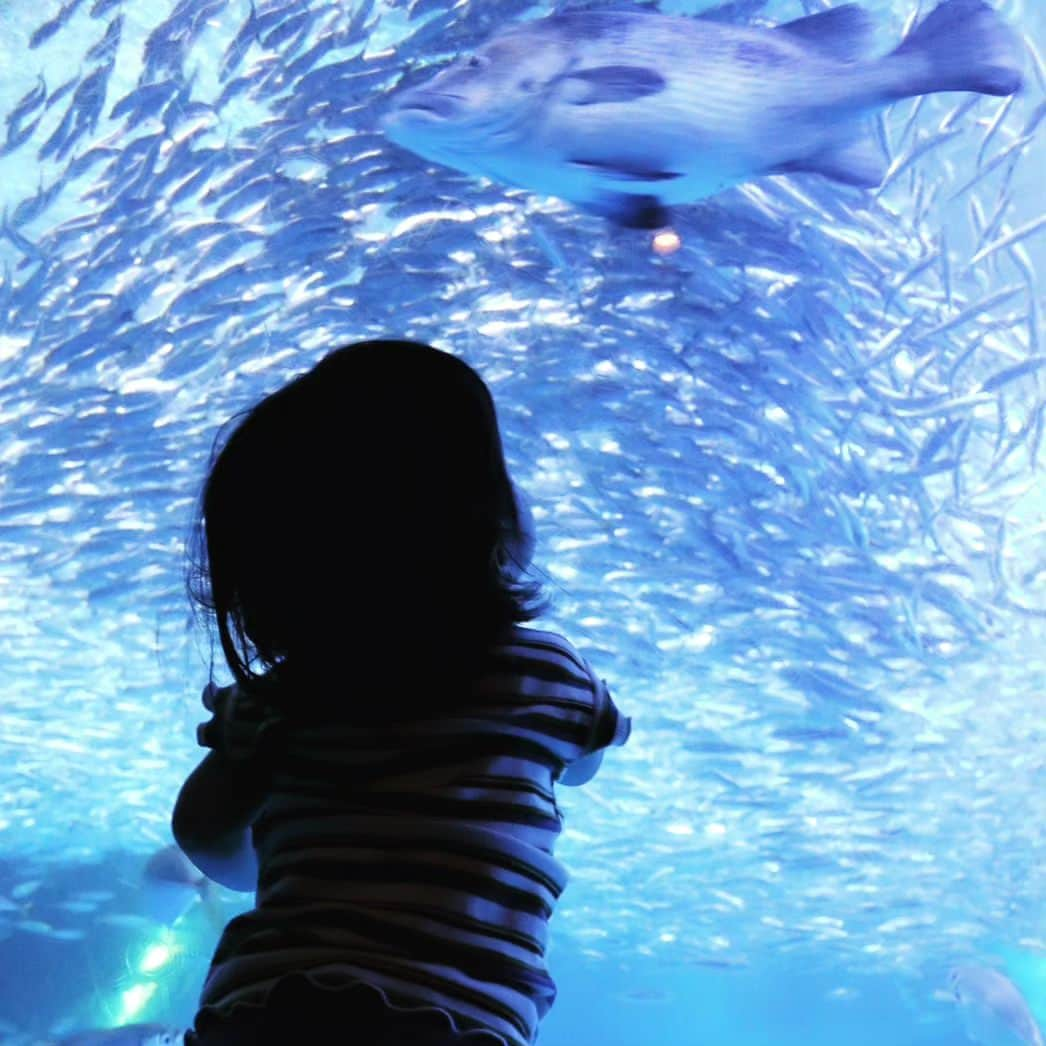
382,767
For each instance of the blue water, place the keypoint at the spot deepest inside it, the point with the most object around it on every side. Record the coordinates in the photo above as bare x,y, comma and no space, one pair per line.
787,481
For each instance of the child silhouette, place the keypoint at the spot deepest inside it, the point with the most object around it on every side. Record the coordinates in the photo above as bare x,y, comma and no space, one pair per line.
381,772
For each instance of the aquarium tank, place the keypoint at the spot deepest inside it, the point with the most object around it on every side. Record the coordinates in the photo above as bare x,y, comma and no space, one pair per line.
785,459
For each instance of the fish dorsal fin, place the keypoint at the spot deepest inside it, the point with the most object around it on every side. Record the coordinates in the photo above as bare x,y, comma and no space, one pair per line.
845,33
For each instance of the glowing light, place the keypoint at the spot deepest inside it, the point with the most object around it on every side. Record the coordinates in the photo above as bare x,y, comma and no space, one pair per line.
134,1001
156,957
667,241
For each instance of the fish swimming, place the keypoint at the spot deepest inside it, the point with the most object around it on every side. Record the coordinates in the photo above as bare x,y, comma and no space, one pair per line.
172,884
126,1035
626,113
994,1011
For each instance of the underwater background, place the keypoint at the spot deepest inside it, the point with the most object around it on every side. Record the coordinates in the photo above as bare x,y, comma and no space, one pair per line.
787,484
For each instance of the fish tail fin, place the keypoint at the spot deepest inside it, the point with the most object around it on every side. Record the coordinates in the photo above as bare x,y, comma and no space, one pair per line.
962,45
212,905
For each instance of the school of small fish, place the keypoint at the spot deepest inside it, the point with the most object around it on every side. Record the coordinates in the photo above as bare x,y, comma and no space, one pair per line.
787,480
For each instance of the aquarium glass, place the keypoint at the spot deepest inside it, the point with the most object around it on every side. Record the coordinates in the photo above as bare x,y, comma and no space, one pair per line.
787,477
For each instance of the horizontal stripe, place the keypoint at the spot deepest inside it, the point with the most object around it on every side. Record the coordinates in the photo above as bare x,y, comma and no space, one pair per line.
427,874
416,941
307,835
418,858
306,828
518,946
326,775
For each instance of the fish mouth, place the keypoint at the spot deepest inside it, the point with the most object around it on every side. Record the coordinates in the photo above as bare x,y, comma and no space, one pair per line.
435,106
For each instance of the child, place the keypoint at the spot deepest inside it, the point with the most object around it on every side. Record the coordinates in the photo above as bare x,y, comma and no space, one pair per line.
382,770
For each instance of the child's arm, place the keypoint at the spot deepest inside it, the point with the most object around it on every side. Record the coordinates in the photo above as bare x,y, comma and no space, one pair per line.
212,820
609,727
582,770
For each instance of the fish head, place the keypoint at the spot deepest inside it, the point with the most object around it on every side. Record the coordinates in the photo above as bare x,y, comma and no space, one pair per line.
484,104
170,865
971,985
969,982
994,1011
171,885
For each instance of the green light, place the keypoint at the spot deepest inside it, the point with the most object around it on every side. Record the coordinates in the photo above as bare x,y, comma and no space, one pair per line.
134,1001
156,956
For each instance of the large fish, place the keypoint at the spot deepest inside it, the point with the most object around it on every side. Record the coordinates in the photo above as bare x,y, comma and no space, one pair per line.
172,885
993,1010
625,113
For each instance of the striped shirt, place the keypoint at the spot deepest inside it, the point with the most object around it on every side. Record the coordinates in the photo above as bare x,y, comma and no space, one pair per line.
418,858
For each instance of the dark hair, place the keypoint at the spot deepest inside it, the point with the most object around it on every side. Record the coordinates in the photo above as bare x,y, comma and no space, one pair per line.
358,526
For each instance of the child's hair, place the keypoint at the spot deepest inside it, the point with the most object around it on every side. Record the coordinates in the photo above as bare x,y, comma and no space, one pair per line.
358,526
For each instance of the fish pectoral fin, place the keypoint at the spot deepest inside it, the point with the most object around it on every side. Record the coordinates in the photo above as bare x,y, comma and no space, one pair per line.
845,33
631,212
624,170
859,163
609,83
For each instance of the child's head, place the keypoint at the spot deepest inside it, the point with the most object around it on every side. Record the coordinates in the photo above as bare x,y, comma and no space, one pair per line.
361,521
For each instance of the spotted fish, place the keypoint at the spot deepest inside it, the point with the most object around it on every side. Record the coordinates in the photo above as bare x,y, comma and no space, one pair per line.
627,113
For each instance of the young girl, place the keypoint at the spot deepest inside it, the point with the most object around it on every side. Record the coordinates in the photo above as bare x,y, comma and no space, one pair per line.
382,770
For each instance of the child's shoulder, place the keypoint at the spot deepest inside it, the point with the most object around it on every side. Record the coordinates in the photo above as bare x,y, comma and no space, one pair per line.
523,634
542,644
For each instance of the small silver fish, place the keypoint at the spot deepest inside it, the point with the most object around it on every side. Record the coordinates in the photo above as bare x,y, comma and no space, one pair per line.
626,113
994,1011
126,1035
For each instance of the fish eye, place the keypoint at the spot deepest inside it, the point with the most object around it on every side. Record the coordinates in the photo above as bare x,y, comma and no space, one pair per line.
474,62
527,85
